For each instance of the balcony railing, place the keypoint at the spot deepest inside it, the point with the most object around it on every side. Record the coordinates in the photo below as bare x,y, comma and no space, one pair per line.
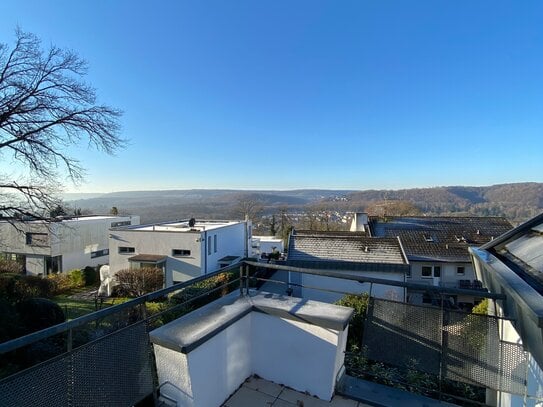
105,358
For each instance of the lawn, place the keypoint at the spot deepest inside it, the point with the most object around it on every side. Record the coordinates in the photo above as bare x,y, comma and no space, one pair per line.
77,307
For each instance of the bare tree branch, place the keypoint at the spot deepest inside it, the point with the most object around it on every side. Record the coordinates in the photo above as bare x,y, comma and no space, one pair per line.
46,107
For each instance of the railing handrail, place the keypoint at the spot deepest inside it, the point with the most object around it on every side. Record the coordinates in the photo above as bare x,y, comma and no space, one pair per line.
93,316
342,274
85,319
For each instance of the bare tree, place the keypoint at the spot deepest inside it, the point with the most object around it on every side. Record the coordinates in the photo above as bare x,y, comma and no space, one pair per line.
248,208
46,107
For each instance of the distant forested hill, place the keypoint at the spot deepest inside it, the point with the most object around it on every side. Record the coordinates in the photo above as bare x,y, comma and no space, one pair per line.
517,202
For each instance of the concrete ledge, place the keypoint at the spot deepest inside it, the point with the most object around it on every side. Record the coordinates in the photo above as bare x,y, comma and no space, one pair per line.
190,331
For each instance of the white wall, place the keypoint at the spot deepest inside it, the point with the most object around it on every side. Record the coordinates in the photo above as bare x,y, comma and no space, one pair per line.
210,373
230,242
302,356
351,286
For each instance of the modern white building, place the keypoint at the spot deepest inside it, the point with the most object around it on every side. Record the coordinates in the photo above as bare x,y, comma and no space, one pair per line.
183,249
264,245
63,244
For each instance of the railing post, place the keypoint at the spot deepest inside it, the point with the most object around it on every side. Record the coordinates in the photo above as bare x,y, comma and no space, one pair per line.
241,279
247,268
69,340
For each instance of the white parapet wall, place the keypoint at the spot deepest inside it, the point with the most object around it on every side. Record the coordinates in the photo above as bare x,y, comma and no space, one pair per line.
203,357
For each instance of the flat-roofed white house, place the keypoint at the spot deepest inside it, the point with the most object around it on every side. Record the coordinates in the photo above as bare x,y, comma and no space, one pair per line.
183,249
59,245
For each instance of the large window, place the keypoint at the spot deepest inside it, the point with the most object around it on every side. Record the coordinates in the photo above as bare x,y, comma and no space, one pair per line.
431,271
53,264
215,243
209,245
126,250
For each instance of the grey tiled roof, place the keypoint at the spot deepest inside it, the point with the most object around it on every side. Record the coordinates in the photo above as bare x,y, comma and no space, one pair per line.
440,238
343,247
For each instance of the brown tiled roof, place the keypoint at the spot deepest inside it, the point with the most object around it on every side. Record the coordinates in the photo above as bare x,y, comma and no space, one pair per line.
440,238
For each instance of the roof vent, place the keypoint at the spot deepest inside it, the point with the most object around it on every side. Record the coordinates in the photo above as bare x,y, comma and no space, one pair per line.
478,232
366,249
428,238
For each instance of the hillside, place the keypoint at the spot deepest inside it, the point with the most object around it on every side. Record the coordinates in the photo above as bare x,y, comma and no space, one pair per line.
517,202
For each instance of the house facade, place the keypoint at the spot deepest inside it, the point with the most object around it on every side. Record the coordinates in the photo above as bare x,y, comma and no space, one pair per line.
352,253
437,248
63,244
183,249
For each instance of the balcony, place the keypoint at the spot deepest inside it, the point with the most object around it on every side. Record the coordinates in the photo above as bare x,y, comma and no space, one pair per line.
222,331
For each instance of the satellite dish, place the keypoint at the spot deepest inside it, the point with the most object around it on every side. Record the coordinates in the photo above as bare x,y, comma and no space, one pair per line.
192,222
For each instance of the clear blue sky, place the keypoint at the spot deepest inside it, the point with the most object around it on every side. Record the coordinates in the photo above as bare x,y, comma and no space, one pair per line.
304,94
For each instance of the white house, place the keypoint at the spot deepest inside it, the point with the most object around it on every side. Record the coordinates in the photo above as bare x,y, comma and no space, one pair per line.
263,245
183,249
60,245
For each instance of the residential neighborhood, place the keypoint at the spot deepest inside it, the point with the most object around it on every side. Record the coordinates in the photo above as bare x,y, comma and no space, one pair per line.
271,204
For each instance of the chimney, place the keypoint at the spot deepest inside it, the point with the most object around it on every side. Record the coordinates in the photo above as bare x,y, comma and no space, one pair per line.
360,222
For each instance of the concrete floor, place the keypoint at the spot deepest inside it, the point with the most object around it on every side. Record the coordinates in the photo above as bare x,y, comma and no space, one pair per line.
256,392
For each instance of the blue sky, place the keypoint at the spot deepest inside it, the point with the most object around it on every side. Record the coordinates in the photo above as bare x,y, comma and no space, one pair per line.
306,94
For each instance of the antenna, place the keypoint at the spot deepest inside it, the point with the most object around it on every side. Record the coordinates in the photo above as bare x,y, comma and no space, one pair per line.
192,222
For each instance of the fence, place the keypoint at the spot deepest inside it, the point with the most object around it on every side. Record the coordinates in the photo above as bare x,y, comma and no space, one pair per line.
105,358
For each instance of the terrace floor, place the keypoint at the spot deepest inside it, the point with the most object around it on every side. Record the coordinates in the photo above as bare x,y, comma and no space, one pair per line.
256,392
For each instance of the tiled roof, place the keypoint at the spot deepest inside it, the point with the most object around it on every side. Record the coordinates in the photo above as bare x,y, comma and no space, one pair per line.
343,247
440,238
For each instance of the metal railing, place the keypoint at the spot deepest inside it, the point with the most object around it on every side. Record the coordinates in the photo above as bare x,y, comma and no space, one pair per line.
105,357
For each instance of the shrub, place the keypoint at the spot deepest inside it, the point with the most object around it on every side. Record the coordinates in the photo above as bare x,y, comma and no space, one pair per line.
63,282
199,289
137,282
10,326
78,278
360,305
39,313
91,275
10,266
16,287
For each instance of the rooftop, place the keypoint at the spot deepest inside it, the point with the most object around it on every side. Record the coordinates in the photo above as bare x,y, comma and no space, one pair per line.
182,226
344,247
440,238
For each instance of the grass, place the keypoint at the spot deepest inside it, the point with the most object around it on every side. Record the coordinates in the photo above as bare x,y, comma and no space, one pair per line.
75,308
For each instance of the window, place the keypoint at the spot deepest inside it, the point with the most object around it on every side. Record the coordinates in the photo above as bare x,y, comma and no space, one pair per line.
408,272
180,252
427,271
100,253
215,243
126,250
431,271
37,239
53,264
209,245
122,223
460,270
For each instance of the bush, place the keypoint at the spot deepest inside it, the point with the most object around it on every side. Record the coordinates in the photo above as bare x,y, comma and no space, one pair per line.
63,282
39,313
78,278
356,325
17,287
137,282
10,266
91,275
